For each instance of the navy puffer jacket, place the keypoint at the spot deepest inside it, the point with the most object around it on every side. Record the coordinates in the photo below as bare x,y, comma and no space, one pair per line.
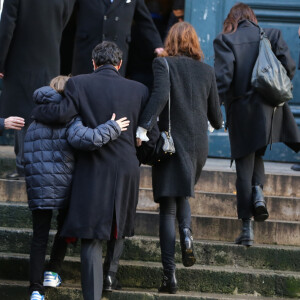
49,159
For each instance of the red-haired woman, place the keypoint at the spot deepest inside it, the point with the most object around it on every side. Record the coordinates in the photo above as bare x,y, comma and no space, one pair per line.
194,101
249,117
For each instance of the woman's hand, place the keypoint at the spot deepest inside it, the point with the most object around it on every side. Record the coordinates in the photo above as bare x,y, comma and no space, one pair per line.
123,122
14,123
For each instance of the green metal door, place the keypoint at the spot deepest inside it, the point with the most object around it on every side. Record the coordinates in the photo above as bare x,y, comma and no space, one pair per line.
207,17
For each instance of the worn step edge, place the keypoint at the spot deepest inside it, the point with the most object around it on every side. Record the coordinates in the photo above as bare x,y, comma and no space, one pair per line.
143,248
135,274
224,205
73,292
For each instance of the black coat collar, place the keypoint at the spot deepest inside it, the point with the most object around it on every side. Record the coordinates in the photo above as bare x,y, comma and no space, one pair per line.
109,68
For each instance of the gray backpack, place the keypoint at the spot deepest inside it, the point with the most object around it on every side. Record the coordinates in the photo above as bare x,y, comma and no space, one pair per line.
269,77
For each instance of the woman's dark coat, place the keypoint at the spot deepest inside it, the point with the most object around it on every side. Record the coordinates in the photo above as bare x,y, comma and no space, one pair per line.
49,159
30,34
97,23
194,101
248,117
106,181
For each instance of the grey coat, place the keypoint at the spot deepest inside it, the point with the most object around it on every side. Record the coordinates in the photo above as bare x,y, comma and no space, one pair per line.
30,34
194,101
249,118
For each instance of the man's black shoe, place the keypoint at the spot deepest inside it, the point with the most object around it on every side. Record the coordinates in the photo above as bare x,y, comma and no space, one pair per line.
111,283
15,176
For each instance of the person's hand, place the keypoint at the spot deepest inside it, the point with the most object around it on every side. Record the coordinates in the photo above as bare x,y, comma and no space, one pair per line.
138,142
299,31
159,51
1,75
14,123
123,122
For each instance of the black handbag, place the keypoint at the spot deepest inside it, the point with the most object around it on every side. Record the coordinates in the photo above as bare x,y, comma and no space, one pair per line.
269,77
165,145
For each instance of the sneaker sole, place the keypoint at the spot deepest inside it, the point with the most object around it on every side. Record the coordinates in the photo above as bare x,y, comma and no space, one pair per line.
49,284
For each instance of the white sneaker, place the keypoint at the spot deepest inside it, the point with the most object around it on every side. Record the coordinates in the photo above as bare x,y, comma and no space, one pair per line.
36,296
51,279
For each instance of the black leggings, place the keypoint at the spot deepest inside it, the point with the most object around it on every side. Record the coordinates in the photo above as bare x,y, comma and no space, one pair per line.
250,171
170,208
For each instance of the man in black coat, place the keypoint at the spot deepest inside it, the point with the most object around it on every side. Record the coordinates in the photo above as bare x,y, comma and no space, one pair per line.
106,182
110,20
30,34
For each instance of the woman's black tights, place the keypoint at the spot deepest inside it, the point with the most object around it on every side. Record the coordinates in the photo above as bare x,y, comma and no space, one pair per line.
170,208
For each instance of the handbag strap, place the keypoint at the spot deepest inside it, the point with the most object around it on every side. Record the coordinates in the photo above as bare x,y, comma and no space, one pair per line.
169,101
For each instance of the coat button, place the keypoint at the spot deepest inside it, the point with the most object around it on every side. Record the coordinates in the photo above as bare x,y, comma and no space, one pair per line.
116,18
105,18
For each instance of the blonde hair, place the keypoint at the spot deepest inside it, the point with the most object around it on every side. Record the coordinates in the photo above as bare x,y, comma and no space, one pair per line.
58,83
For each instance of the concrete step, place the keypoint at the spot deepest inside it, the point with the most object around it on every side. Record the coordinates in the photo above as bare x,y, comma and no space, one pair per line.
19,290
143,248
224,205
17,215
204,203
146,275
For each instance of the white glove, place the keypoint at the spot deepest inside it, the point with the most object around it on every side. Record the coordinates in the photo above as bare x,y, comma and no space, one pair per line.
141,133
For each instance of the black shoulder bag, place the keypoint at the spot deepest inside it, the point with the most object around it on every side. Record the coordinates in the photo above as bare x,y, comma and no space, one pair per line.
165,145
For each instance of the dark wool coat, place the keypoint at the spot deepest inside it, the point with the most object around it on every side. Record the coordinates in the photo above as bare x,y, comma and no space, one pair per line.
106,180
248,116
49,160
30,33
96,23
194,101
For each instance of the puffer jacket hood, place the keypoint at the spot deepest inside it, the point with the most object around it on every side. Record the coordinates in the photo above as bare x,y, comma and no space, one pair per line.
46,94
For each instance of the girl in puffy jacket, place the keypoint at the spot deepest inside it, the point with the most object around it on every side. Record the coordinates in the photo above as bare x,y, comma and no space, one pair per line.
49,164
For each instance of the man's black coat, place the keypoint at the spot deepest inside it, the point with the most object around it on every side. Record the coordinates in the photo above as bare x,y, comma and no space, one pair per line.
30,34
105,180
97,23
249,118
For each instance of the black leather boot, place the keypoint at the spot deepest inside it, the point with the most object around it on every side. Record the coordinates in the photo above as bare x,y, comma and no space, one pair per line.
260,209
111,283
247,236
169,282
187,250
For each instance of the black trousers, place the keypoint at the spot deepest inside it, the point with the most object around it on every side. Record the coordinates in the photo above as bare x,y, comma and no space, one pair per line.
170,209
249,171
41,220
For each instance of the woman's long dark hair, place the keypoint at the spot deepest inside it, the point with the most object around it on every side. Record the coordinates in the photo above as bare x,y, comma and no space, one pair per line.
238,12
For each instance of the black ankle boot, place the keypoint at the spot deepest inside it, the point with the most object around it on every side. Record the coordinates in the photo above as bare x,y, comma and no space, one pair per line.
169,282
247,236
260,209
187,249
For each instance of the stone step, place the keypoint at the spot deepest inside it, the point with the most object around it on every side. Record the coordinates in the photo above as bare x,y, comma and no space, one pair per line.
204,227
19,290
146,275
224,205
143,248
204,203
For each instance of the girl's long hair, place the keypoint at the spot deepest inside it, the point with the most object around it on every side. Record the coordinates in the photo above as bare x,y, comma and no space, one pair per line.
182,40
238,12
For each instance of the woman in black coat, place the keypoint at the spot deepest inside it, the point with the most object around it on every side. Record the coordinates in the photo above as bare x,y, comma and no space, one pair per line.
194,101
251,123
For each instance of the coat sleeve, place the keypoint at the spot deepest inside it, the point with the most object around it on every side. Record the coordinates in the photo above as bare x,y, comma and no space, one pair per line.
214,112
282,52
59,113
1,125
159,96
224,67
84,138
146,26
7,27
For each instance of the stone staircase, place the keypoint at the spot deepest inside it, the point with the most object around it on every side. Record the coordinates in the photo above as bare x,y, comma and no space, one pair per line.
268,270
